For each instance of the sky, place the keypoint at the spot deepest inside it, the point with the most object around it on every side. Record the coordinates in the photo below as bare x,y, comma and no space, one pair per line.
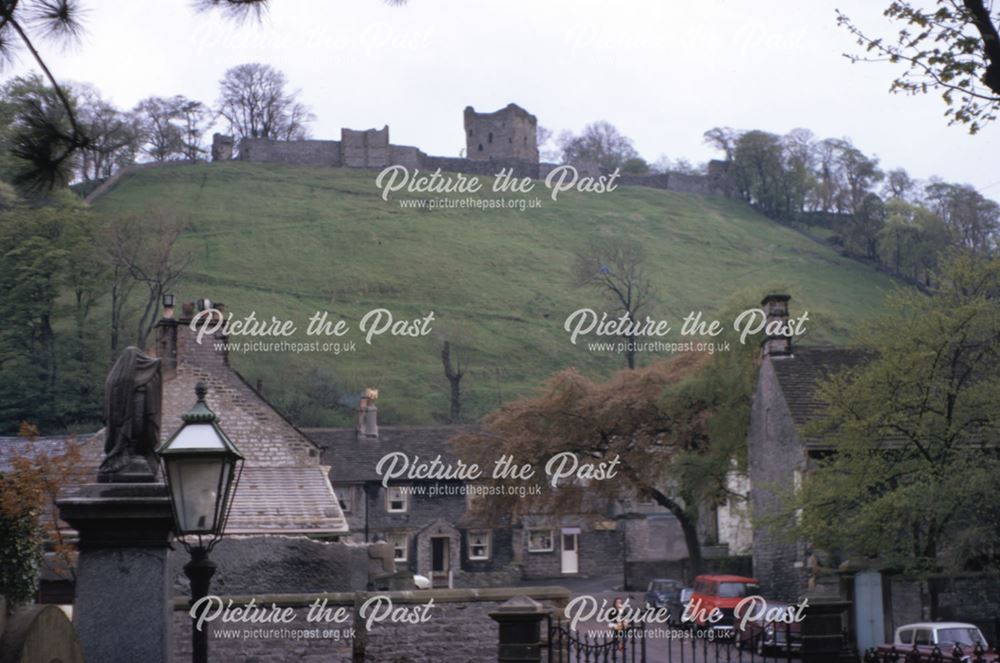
662,71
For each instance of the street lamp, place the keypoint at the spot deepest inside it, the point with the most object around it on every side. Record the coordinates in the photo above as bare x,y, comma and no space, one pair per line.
202,467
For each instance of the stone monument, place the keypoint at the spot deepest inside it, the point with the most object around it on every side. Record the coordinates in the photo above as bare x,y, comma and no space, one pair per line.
122,605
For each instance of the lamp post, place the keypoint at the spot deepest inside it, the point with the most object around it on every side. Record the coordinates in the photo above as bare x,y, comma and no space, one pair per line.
202,467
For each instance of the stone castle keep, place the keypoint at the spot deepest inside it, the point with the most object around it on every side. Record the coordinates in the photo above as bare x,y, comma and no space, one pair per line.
504,139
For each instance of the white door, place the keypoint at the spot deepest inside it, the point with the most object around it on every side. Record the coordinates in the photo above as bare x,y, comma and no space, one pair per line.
869,618
570,550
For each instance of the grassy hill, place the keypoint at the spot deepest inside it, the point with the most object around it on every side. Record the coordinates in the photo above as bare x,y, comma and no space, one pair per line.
287,242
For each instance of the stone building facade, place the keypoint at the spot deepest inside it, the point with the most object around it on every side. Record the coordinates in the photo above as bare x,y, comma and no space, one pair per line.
434,532
779,452
509,133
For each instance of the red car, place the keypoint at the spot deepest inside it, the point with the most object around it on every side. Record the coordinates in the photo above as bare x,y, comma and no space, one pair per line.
722,592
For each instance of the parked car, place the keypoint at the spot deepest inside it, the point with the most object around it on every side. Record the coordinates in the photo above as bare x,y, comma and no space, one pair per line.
666,593
926,637
764,637
723,592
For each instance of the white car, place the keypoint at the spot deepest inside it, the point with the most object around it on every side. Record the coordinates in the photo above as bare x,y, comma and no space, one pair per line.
925,636
940,634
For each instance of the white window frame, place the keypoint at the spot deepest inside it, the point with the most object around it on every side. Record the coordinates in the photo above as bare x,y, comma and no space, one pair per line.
403,497
393,539
552,540
487,537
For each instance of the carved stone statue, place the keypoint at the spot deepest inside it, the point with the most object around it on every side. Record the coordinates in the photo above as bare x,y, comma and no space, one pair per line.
132,404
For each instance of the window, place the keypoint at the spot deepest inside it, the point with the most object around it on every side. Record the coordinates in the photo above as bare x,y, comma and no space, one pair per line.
479,545
395,500
963,636
923,637
737,590
540,540
489,137
399,545
344,497
906,636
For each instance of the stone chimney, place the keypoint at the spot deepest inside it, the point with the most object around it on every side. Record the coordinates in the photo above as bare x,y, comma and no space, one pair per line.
166,339
776,308
176,341
368,414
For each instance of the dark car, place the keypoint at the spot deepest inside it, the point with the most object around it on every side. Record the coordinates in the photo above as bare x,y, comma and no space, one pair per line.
666,593
764,636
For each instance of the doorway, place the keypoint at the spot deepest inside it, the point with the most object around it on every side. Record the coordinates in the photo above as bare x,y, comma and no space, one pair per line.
570,550
440,557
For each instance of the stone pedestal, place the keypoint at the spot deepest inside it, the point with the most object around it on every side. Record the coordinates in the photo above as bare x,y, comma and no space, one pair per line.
822,629
122,605
520,621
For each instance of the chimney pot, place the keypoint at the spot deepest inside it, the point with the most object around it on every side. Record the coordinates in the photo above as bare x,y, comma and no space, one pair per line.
776,308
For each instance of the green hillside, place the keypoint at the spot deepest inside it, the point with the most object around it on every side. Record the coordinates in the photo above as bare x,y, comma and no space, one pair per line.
287,241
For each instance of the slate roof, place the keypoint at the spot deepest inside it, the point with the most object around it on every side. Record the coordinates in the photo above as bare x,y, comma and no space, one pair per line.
284,489
13,445
800,374
354,459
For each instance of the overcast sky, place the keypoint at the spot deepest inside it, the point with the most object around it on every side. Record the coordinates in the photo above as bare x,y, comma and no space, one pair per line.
662,71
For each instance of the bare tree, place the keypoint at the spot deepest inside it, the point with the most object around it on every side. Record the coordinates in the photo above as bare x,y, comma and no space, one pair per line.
144,253
615,266
114,136
173,127
194,118
253,99
454,374
163,137
120,246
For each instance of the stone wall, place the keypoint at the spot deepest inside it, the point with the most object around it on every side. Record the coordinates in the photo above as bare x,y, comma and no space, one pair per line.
281,564
317,153
459,630
518,167
971,598
371,149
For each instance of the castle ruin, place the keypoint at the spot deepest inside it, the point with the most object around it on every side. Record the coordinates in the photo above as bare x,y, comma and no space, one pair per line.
509,133
506,139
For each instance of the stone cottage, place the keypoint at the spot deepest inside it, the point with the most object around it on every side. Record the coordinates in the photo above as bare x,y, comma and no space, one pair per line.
434,531
781,454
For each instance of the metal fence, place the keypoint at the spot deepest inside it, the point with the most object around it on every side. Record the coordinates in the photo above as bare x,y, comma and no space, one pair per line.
956,654
674,645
